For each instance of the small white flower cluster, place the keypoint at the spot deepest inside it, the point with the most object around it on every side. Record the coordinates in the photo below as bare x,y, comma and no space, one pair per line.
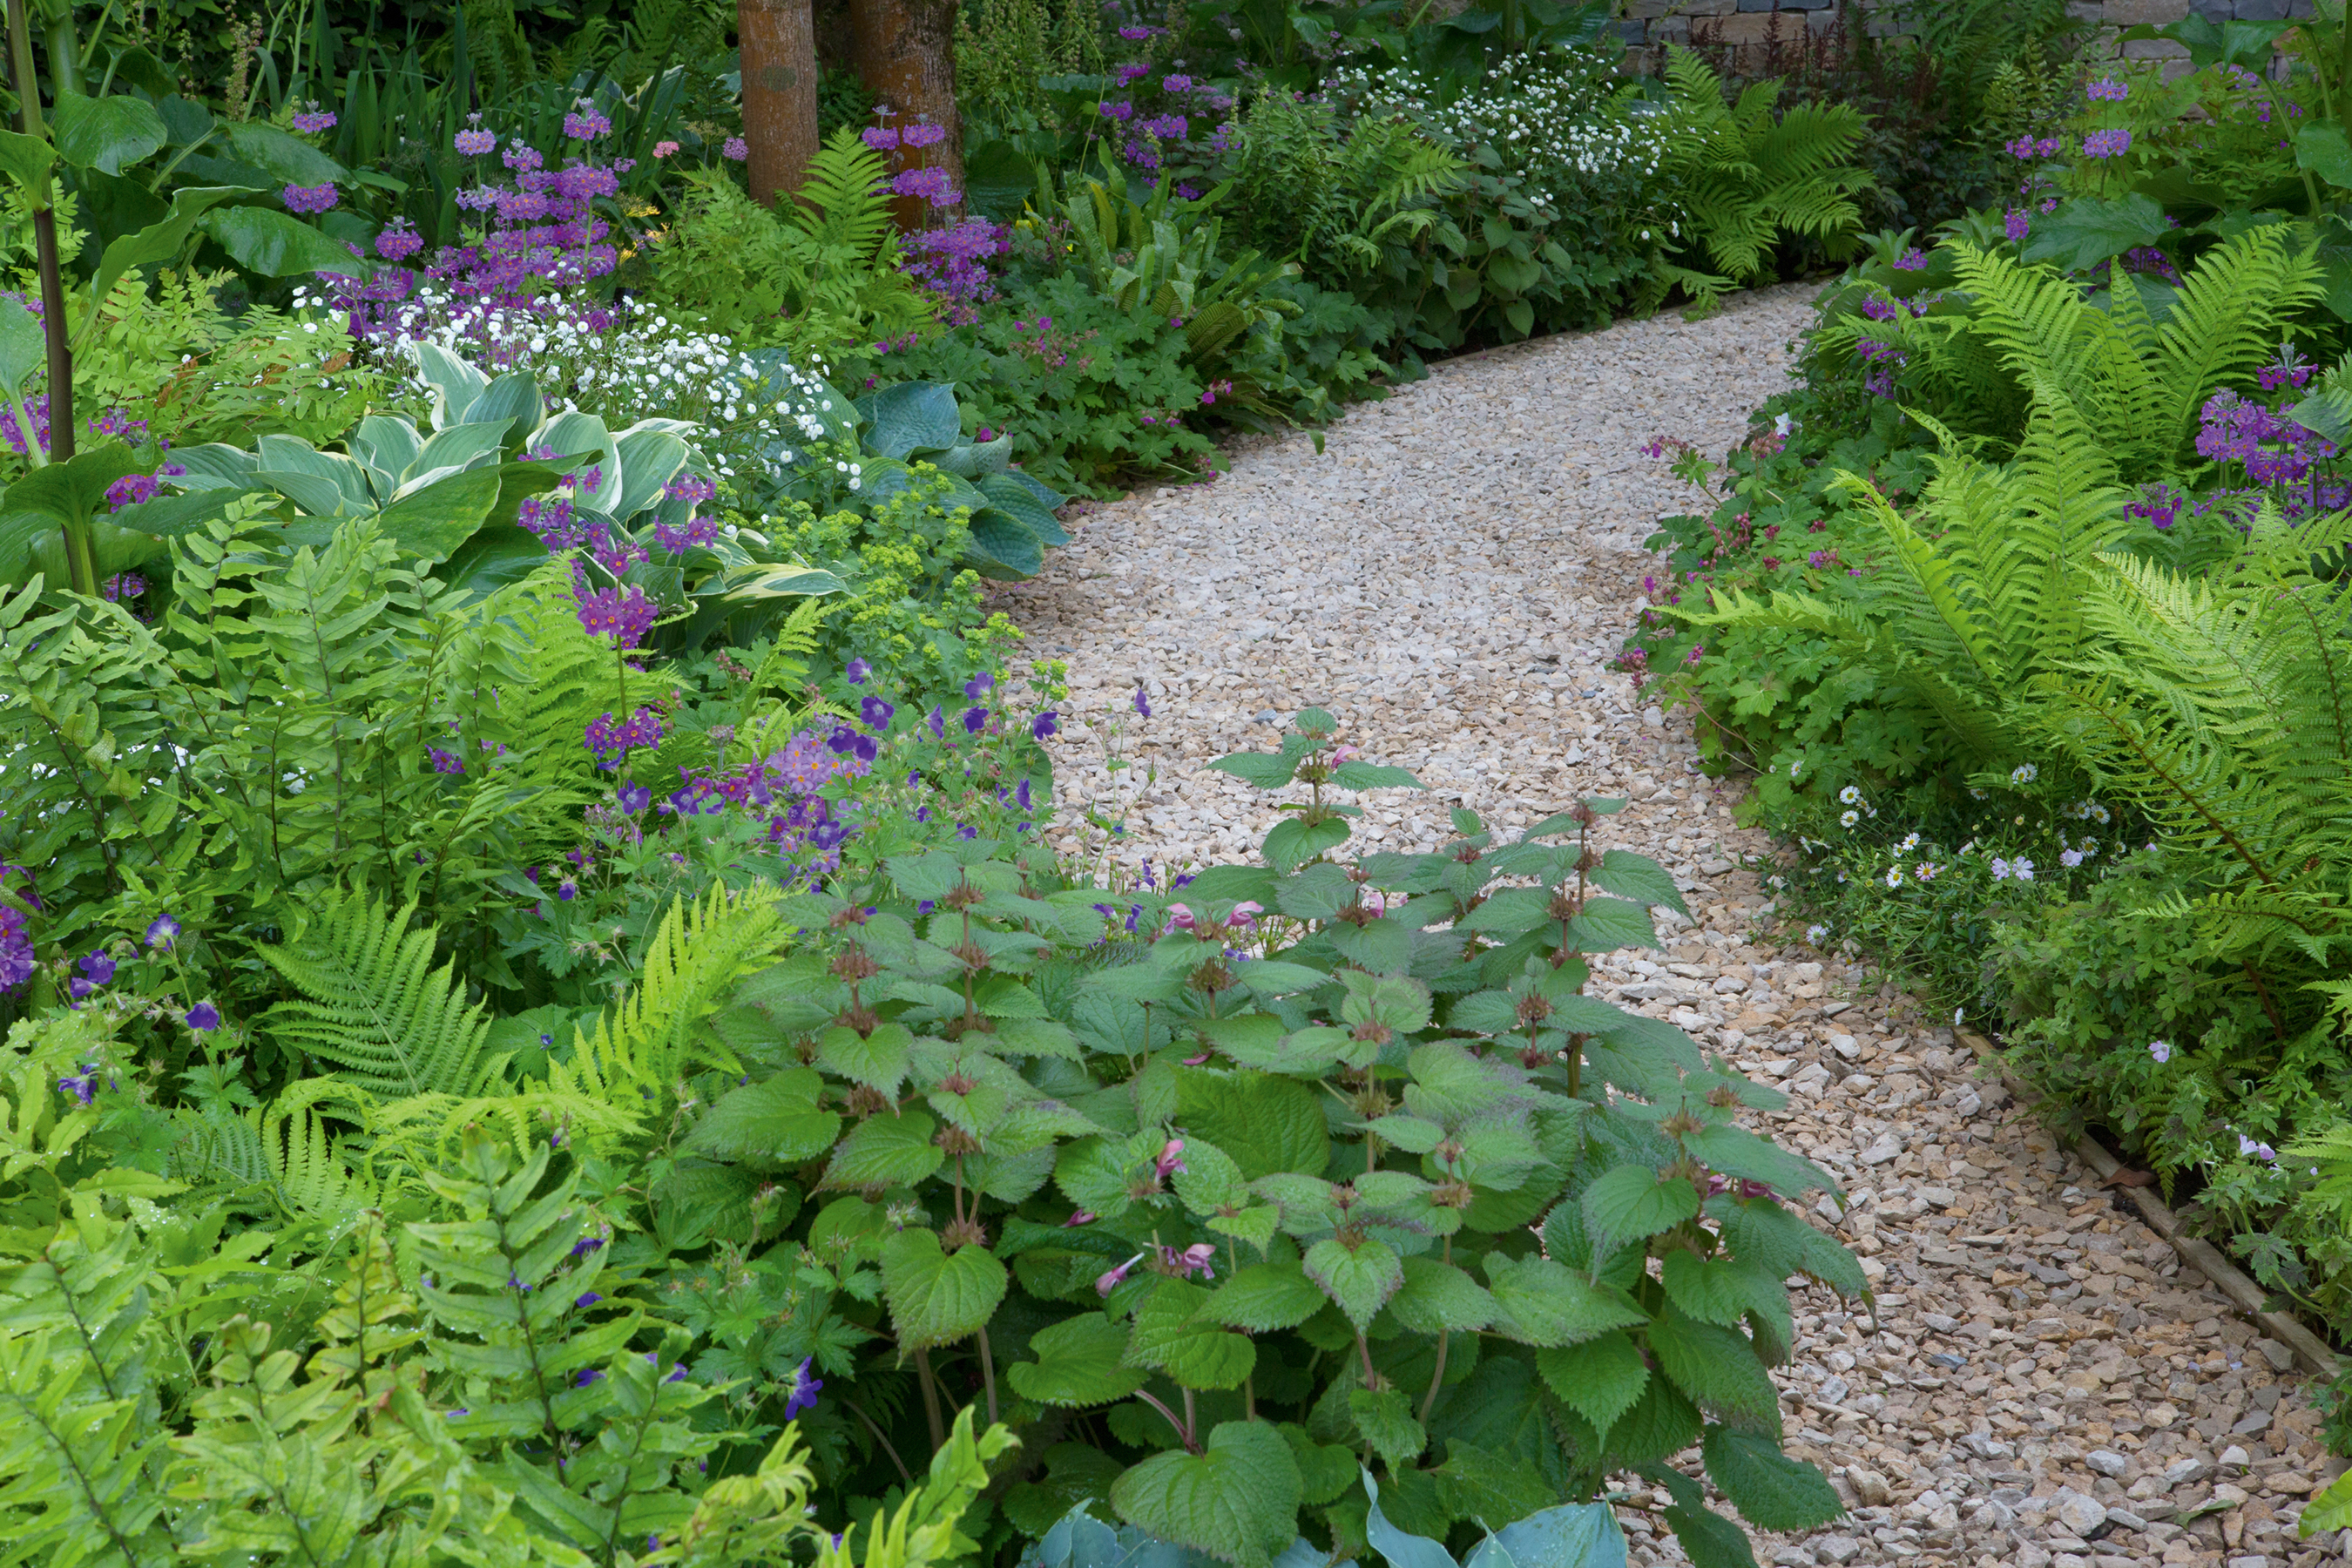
1555,122
762,419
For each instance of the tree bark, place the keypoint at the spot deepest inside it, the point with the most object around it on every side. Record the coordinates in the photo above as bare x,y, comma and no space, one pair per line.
780,82
905,58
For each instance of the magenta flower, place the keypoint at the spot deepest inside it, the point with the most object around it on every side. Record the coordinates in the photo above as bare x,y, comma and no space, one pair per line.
1078,1216
1172,1153
734,149
1107,1280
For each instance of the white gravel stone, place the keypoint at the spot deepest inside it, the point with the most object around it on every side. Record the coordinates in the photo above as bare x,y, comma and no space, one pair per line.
1450,578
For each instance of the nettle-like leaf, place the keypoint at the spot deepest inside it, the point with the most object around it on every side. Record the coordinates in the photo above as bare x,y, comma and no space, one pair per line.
1265,1297
1358,1278
935,1295
1237,1501
1538,1301
1173,1336
1078,1365
1437,1298
1599,1379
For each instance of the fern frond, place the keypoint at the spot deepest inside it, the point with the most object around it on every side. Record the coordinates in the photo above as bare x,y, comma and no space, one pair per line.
653,1036
374,1005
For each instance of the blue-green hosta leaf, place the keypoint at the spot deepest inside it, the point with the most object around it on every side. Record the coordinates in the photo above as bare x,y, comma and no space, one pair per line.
1078,1365
1010,496
1238,1501
1401,1549
1359,1279
1541,1302
451,450
886,1152
1385,1420
1717,1369
1174,1335
938,1297
1574,1535
1437,1298
1771,1490
1001,546
1265,1297
768,1125
431,524
911,417
1633,1202
1600,1379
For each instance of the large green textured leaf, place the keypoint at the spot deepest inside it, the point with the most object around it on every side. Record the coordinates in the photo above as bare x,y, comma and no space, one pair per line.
1267,1123
1633,1202
1540,1302
935,1297
1293,841
1661,1422
1238,1501
1607,924
910,417
431,524
277,246
1717,1290
769,1124
1359,1279
1265,1297
1600,1379
1708,1540
1771,1490
1780,1244
105,133
1717,1369
1385,1420
1078,1364
1638,878
1170,1336
886,1152
1437,1296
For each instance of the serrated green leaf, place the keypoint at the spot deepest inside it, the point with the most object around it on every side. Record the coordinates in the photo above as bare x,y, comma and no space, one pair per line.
1171,1336
886,1152
1401,1548
1600,1379
1638,878
1324,1469
1264,770
1771,1490
1080,1362
938,1297
1717,1369
1265,1297
1294,841
1437,1296
768,1125
1708,1540
1359,1279
1414,1134
1541,1302
1385,1421
1254,1226
1779,1243
1238,1501
877,1060
1633,1202
1661,1423
1267,1123
1605,925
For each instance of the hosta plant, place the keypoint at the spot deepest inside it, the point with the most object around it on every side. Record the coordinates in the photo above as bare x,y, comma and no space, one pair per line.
1330,1170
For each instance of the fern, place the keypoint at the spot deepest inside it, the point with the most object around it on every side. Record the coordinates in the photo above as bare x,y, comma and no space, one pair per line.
654,1035
2136,384
1749,170
374,1005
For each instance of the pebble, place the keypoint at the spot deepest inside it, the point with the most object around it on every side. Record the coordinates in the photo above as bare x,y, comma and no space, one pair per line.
1450,578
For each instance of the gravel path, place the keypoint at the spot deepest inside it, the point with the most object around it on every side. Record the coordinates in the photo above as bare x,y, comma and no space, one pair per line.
2044,1386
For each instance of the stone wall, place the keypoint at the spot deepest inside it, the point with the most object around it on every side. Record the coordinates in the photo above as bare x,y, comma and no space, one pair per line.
1758,33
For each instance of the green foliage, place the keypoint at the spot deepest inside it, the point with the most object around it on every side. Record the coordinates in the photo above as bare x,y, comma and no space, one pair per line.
1748,172
822,270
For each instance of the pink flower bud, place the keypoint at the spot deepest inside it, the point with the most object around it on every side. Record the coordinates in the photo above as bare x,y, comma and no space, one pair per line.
1245,912
1170,1161
1108,1281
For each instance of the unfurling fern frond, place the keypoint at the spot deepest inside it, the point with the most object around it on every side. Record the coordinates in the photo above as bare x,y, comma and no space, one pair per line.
374,1005
654,1035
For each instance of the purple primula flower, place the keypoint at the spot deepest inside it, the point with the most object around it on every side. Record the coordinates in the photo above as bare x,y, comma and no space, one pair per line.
204,1017
310,198
800,1394
314,120
474,143
444,762
2106,143
881,138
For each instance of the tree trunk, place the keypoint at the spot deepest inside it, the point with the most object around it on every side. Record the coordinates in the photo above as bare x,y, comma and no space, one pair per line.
780,80
905,58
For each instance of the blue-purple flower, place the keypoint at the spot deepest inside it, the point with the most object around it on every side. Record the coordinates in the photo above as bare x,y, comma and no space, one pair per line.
98,967
976,720
875,713
161,932
1142,706
977,687
801,1392
204,1017
633,797
857,671
1045,724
